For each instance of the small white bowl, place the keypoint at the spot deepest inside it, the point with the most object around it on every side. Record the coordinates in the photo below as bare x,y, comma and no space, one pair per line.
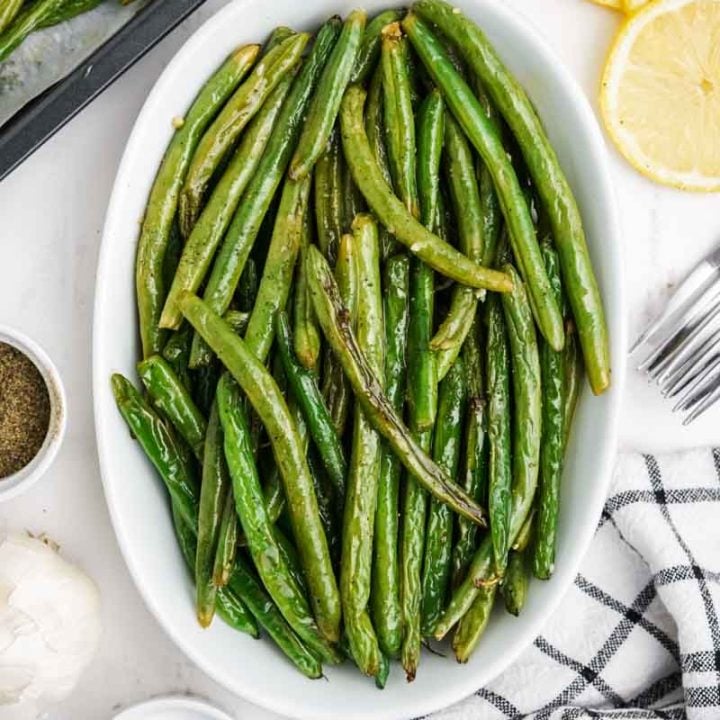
172,708
20,481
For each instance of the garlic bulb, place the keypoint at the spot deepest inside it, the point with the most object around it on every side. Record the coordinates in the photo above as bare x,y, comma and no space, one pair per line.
49,624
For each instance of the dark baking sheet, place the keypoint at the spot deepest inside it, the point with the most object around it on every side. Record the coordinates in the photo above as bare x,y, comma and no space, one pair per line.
46,114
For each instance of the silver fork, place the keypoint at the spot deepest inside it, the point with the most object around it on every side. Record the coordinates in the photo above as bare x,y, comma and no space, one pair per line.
680,350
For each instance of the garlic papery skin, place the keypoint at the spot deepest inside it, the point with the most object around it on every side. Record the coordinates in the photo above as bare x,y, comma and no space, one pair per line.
49,624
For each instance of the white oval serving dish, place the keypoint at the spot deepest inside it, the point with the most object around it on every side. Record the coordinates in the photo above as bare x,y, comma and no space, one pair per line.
137,502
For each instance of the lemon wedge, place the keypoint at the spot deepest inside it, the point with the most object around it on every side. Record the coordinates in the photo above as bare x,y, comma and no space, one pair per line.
660,94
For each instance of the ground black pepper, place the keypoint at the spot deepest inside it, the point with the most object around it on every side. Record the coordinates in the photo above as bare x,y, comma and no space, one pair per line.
24,410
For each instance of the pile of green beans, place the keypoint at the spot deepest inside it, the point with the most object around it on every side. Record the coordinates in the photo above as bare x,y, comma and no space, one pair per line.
361,424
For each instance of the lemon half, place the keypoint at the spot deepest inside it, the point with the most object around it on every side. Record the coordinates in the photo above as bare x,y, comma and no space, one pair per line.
660,95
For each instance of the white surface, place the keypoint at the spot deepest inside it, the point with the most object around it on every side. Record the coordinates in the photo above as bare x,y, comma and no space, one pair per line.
138,504
172,708
53,209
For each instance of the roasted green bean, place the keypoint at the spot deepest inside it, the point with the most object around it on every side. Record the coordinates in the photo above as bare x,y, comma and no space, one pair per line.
235,249
324,107
235,115
364,469
162,203
488,143
452,399
213,495
552,185
393,213
387,613
267,400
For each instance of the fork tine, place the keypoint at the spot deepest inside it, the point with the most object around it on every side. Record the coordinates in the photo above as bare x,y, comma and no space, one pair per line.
707,302
694,388
694,341
700,281
703,405
691,365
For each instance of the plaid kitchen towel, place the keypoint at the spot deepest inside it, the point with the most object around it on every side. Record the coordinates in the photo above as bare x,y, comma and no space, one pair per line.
638,635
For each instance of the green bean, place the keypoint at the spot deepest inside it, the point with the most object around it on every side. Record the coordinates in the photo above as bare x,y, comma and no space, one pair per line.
177,353
173,400
515,583
328,198
422,380
230,607
499,371
375,130
335,389
233,611
259,531
235,115
391,211
308,396
323,110
8,10
412,547
306,337
452,400
244,584
475,468
473,624
333,319
386,609
26,23
210,227
492,214
523,537
170,458
469,213
69,10
267,400
243,230
247,287
551,448
552,185
364,468
277,275
527,400
399,117
431,130
484,136
278,35
237,320
353,203
162,203
370,46
227,543
204,380
573,373
213,493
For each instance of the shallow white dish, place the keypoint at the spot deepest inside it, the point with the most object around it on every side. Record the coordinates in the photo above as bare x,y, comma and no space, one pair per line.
172,708
136,498
27,476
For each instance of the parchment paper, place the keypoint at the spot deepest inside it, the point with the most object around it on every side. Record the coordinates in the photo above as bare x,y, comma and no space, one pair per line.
49,55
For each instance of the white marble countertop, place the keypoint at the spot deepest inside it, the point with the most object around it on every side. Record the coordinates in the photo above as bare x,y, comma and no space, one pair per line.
52,211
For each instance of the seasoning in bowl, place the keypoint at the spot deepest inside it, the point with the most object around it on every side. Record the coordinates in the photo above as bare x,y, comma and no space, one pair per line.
24,410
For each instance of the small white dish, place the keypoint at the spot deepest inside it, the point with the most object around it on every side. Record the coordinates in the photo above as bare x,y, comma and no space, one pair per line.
21,480
136,498
172,708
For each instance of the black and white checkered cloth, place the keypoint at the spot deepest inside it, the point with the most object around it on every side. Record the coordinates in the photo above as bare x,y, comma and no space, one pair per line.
638,635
